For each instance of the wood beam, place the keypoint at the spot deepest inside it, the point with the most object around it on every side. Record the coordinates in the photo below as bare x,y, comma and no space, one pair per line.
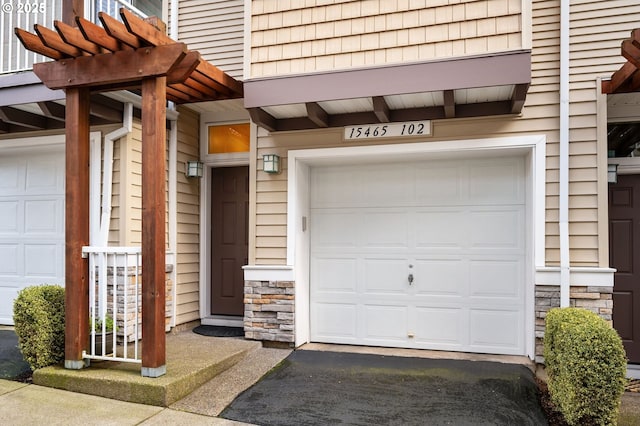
74,37
263,119
317,115
33,43
52,110
631,52
518,97
619,78
76,226
181,71
381,109
119,67
118,30
71,9
23,118
99,36
53,40
449,104
154,138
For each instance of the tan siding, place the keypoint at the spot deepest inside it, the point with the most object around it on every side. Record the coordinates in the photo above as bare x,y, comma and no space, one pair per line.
216,30
289,37
130,188
188,217
597,27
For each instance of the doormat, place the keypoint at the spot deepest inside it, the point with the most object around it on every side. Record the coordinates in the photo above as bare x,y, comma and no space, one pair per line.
633,385
219,331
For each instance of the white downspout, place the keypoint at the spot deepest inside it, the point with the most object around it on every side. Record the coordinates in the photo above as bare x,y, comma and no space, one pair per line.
173,176
173,212
563,202
107,173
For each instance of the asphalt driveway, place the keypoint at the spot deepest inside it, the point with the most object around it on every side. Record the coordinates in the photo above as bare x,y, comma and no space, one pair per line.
12,365
319,388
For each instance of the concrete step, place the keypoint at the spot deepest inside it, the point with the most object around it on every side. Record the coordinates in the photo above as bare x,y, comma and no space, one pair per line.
192,360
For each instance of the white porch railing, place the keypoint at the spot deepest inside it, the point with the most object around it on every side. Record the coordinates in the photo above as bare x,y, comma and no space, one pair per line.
24,14
115,303
111,7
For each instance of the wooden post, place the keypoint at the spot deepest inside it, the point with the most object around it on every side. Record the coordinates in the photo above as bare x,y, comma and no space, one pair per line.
154,141
77,227
71,9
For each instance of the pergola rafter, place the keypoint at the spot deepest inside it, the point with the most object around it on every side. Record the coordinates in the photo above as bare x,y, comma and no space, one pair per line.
134,54
627,78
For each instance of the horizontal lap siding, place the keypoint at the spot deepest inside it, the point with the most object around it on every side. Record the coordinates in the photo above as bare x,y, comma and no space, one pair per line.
215,28
188,218
300,37
597,29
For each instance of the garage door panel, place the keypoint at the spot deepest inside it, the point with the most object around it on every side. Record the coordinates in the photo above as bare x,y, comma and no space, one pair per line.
334,321
497,279
42,217
385,229
42,260
9,214
10,171
385,323
385,276
498,228
333,190
43,176
337,275
496,329
435,326
386,185
433,229
496,182
440,277
9,260
337,229
440,185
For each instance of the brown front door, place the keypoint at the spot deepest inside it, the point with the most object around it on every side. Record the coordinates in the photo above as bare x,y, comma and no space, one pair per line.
229,240
624,256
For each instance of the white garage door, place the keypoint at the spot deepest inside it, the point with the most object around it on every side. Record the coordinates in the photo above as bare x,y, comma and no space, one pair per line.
424,255
31,222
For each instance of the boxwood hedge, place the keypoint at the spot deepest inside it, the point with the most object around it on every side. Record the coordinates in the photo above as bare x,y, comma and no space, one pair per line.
586,364
38,315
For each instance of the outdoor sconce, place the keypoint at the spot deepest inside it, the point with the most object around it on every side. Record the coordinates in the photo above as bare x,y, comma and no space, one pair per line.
271,163
612,173
194,168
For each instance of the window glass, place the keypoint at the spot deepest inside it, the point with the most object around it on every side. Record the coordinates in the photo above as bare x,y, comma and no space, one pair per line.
229,138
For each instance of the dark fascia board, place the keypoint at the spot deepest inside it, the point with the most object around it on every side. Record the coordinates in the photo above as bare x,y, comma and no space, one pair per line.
25,87
450,74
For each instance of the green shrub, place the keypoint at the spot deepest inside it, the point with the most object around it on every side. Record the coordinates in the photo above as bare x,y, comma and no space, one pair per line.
586,364
38,315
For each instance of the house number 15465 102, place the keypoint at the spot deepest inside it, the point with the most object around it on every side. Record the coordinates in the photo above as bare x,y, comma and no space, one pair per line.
391,130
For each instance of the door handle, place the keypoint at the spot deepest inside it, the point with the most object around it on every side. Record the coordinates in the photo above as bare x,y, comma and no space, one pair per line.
410,278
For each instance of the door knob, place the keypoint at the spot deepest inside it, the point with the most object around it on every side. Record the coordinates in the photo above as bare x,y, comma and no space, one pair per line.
410,278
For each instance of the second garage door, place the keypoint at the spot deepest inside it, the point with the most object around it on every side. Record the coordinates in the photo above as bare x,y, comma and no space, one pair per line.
31,222
427,254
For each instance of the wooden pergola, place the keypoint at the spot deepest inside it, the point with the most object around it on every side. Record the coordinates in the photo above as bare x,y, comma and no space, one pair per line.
627,78
133,54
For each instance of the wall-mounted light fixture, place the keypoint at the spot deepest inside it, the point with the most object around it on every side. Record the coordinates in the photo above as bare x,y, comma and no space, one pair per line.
271,163
612,173
194,168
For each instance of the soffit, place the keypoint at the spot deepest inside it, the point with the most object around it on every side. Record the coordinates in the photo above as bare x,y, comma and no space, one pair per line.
464,87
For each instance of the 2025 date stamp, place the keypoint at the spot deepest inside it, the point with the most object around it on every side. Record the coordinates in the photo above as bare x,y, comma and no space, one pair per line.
22,7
